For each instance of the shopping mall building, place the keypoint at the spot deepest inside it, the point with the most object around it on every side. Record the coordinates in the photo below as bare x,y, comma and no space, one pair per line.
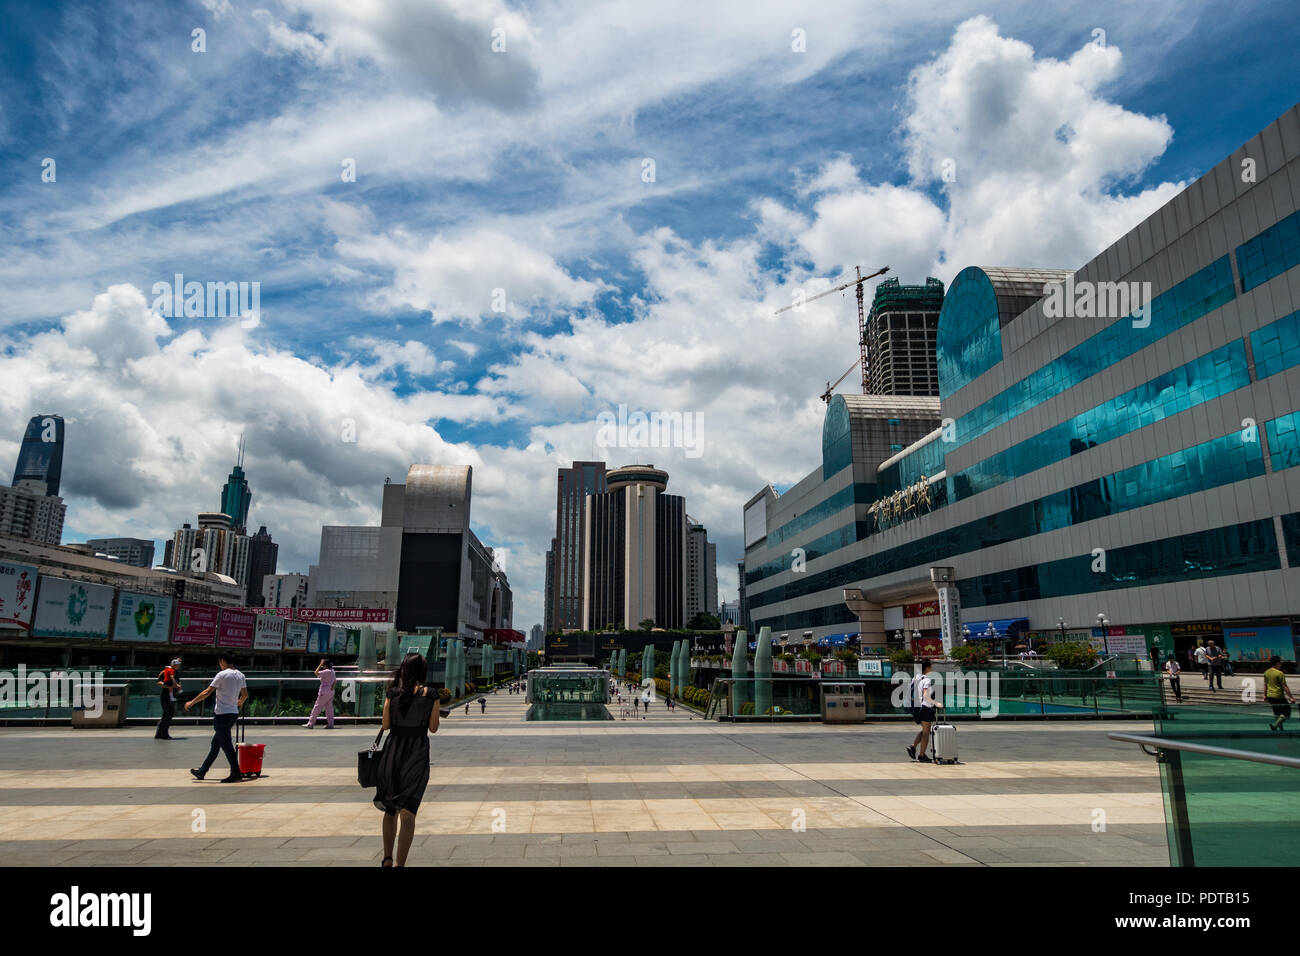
1125,446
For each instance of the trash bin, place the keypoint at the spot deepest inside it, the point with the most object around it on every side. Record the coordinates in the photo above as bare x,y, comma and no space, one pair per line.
843,704
112,708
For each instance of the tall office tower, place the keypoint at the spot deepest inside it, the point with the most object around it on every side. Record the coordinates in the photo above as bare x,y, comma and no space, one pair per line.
548,610
236,496
701,572
137,552
262,556
446,576
574,485
40,459
634,547
898,341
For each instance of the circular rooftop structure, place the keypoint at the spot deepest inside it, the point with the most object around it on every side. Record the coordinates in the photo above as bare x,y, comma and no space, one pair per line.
636,475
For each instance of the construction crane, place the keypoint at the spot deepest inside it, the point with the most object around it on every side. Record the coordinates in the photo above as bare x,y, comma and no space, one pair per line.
862,320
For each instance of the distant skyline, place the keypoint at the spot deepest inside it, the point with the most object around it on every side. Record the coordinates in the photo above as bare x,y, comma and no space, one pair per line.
466,256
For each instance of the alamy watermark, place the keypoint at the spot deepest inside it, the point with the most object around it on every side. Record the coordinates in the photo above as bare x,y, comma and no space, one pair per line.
660,429
1098,300
59,689
956,690
213,300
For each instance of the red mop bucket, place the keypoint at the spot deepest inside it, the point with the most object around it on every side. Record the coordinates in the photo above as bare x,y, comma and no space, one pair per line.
250,755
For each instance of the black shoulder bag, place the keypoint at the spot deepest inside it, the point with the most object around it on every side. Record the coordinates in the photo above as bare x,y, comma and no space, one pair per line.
368,763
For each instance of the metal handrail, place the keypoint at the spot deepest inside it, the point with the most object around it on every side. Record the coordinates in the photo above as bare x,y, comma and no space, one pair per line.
1165,743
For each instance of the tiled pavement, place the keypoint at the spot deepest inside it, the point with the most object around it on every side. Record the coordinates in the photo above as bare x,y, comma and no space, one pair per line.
666,791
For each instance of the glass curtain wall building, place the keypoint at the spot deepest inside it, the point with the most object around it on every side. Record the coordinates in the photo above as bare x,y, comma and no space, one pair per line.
1118,440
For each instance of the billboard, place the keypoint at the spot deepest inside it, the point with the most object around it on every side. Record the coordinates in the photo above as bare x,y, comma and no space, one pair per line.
66,608
756,521
274,611
1259,643
196,623
318,639
344,640
17,594
268,633
236,629
295,636
142,617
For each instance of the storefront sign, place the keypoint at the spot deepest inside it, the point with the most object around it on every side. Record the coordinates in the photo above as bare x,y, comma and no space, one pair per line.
949,618
352,615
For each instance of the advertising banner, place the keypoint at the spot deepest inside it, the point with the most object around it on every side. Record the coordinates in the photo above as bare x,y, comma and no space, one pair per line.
295,636
927,647
286,612
17,594
142,617
924,609
196,623
67,608
268,632
236,628
349,615
318,638
1259,643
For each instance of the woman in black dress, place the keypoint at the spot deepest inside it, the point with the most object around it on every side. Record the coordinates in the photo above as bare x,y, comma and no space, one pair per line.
410,715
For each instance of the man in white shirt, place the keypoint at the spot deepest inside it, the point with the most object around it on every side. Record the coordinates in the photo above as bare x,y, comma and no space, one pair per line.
231,690
1201,662
923,712
1174,670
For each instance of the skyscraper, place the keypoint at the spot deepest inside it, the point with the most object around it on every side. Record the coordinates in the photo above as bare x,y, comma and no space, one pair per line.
898,340
236,496
634,552
568,570
40,460
262,556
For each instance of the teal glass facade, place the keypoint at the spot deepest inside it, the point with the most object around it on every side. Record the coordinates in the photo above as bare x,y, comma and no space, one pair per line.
1269,254
1283,435
969,343
1276,346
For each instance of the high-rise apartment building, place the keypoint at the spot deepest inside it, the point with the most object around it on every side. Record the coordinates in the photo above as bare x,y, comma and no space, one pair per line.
898,340
701,572
634,546
284,590
214,546
574,486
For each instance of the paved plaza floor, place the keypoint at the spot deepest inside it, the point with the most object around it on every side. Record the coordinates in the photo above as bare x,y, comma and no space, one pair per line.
665,791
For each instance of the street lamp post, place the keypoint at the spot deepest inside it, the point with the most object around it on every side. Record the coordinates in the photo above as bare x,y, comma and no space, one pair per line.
1104,623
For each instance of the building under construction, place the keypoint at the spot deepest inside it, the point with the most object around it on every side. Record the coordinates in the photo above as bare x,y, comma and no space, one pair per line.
898,339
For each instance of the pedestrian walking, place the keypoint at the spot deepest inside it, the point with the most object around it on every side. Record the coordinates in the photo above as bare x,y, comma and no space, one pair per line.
1175,670
231,690
411,713
1217,660
324,695
466,708
482,705
1201,654
1277,693
924,707
169,681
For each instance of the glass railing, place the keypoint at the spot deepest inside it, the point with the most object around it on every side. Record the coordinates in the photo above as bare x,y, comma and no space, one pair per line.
1227,804
271,694
986,693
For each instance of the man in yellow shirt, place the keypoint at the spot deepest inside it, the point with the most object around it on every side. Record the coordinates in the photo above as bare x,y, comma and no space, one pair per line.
1277,693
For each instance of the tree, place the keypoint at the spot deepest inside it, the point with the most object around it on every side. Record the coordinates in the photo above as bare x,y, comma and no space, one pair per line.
704,622
647,624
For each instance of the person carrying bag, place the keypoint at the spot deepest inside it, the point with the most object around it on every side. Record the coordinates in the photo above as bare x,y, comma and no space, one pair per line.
368,763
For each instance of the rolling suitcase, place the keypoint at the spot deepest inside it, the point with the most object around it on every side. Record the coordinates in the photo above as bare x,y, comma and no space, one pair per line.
250,755
943,742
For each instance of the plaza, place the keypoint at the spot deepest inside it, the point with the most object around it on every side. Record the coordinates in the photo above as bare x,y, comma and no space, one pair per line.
668,790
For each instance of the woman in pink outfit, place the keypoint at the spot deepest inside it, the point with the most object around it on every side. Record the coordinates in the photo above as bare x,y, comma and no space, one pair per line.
325,697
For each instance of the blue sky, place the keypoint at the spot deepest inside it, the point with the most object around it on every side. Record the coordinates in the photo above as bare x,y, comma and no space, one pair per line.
521,170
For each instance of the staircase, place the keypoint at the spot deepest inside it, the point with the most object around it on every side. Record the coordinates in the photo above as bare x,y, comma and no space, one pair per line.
1197,693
